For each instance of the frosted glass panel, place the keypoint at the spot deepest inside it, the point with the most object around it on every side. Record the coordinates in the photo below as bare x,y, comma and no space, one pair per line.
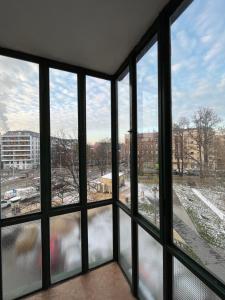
150,267
100,233
186,283
21,259
65,246
125,258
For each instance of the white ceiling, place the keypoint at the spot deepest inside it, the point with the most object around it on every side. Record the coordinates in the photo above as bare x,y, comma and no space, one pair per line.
96,34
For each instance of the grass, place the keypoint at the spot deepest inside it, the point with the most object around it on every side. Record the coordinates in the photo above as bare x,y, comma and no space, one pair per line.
205,230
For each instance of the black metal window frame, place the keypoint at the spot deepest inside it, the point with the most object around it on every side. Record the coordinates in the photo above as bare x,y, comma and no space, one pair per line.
161,30
47,211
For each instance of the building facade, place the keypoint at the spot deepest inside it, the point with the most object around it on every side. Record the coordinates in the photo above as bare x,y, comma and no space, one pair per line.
20,150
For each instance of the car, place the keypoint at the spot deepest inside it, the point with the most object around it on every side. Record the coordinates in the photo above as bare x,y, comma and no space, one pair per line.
5,204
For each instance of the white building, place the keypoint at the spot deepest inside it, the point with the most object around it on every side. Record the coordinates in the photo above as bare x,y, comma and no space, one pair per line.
20,149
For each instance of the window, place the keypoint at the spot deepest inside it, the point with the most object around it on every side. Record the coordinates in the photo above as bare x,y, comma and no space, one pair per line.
98,115
147,110
150,267
19,128
185,282
125,256
21,259
64,138
65,246
124,139
100,235
198,96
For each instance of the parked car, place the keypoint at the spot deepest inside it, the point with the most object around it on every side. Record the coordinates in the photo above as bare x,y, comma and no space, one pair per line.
5,204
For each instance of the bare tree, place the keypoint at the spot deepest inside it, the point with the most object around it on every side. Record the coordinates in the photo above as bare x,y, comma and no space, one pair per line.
205,121
65,167
180,148
101,155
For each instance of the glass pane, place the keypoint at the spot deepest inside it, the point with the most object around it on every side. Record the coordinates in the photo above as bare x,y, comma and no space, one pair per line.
147,139
64,138
21,259
186,283
124,139
98,115
125,257
198,70
65,246
150,267
100,231
19,137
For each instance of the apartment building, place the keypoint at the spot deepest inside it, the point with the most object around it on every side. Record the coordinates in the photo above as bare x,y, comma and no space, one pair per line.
20,149
147,151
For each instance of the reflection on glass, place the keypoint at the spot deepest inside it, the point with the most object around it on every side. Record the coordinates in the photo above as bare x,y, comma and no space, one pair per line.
198,139
64,138
65,246
186,283
19,137
150,267
124,139
21,259
147,138
100,245
125,258
98,116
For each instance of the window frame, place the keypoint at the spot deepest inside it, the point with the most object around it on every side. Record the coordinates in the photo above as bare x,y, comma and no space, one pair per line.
47,211
161,28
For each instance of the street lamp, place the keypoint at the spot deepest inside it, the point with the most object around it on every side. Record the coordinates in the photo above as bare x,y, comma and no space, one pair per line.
154,189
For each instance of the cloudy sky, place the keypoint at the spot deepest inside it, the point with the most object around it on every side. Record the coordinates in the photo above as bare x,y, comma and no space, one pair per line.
198,58
198,79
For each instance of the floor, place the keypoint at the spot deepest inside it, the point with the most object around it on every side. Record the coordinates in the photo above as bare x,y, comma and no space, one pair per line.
105,283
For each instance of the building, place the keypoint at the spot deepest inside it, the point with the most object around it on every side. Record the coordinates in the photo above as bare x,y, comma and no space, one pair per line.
147,144
20,150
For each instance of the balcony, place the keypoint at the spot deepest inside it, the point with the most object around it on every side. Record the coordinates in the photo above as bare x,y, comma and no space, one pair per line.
122,104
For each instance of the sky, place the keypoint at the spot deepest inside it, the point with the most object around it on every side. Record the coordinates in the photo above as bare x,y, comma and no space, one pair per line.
198,59
198,79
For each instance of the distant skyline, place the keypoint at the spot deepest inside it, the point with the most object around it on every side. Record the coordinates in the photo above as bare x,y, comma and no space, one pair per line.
198,79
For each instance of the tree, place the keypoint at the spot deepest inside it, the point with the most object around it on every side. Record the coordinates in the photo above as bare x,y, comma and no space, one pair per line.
205,121
101,155
180,148
65,167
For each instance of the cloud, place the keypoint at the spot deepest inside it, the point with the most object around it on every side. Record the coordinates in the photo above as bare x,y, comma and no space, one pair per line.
98,109
19,95
198,64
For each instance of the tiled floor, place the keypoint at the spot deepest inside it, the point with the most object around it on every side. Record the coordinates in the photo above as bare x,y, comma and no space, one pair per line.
105,283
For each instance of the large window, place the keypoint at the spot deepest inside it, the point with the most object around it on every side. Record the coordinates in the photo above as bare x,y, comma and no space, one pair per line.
98,116
59,217
147,137
124,138
64,138
20,138
198,139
